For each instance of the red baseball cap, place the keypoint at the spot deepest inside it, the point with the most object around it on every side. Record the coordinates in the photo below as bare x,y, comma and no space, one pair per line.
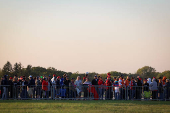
54,75
108,74
58,77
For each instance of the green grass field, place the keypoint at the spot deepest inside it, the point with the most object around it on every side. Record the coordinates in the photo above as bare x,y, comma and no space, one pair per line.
70,106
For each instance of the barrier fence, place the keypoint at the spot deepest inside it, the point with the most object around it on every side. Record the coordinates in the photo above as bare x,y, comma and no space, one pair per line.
83,92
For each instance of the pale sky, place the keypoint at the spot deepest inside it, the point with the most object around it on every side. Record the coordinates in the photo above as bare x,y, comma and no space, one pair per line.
86,35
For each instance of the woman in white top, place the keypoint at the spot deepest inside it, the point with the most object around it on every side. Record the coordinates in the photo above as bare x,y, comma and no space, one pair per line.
78,84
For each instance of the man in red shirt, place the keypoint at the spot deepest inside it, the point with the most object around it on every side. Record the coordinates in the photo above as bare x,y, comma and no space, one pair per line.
44,87
108,89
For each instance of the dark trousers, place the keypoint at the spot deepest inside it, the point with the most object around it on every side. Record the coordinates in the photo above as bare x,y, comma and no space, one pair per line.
67,92
24,93
109,94
154,93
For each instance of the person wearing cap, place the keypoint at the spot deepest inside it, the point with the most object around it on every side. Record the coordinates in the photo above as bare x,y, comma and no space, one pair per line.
95,80
108,88
95,83
154,88
31,85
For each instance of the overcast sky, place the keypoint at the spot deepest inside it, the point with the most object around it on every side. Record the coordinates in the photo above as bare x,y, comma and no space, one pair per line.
86,35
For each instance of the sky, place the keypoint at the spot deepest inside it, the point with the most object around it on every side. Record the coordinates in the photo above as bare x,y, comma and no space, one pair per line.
86,35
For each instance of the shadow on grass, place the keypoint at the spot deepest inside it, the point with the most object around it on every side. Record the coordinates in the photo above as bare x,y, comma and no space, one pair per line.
89,101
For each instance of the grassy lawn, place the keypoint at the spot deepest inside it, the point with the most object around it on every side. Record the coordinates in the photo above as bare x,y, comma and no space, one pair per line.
65,106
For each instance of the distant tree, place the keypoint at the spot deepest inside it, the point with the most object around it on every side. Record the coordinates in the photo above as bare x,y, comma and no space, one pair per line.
1,73
165,73
146,72
17,70
28,70
7,69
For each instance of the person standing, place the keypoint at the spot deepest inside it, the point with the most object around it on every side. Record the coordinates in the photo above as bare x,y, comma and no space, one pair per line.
66,83
108,89
95,80
38,87
127,90
4,84
78,84
154,88
86,76
86,84
24,93
145,88
132,88
72,89
121,85
31,85
160,90
116,84
101,88
58,86
10,89
167,86
44,87
95,83
139,89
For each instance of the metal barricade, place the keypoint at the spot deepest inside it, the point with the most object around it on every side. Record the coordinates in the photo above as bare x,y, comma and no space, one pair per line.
84,92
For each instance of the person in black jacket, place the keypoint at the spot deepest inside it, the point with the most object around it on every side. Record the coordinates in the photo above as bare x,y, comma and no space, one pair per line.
66,83
95,83
10,88
138,89
58,86
31,85
95,80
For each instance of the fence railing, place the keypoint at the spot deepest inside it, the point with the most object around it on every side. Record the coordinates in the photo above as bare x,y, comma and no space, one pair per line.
83,92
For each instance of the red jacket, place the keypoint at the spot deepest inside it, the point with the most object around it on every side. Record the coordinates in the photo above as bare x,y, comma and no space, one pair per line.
100,82
108,83
45,85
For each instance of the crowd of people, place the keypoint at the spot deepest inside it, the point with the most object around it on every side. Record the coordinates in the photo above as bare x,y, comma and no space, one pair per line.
53,87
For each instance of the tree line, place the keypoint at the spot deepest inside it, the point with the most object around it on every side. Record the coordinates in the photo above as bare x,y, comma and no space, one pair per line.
19,70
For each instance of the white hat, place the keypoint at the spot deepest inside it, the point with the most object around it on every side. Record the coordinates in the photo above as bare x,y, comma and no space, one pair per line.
30,76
